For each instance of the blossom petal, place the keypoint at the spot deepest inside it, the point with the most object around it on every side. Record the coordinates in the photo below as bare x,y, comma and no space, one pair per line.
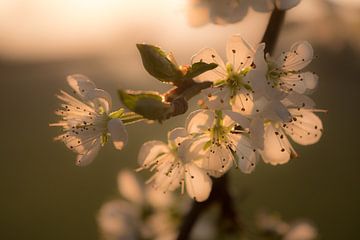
198,183
295,100
199,121
230,117
100,98
277,149
80,84
217,160
257,132
306,128
169,175
217,98
245,152
176,136
118,133
243,102
129,187
209,55
150,151
239,53
86,158
299,56
117,219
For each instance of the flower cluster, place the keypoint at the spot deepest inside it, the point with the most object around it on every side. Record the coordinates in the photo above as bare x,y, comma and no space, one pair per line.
255,105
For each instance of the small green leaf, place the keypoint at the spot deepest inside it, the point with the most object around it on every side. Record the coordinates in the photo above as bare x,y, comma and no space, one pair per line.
158,64
198,68
148,104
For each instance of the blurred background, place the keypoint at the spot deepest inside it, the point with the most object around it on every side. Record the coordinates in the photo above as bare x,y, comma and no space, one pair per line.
45,196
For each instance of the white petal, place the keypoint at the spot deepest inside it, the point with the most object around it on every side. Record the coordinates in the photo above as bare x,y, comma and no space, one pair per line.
157,199
301,231
100,98
286,4
259,58
295,100
230,117
277,149
194,149
198,183
243,102
169,174
199,121
129,187
299,56
217,160
310,79
306,128
118,133
239,53
150,151
217,98
86,158
257,132
80,84
299,82
176,136
117,219
246,154
209,55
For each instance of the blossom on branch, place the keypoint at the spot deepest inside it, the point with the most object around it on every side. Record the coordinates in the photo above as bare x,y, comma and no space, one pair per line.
86,120
230,88
174,166
217,137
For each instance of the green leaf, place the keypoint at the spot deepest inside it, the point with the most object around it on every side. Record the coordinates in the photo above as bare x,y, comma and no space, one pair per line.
157,64
198,68
148,104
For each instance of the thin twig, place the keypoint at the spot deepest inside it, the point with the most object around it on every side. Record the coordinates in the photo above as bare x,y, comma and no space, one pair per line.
273,30
219,194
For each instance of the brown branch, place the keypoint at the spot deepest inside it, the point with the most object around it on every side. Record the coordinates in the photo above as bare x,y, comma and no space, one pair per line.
219,194
273,30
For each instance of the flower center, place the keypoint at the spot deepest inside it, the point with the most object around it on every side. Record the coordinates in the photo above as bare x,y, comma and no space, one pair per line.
235,80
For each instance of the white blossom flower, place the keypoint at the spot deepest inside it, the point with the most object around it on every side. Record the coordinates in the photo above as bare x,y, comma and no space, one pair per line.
301,231
305,128
230,88
143,213
174,168
200,12
86,120
275,225
285,73
217,138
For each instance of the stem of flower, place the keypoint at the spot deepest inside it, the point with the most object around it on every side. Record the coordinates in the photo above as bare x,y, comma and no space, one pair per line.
131,117
219,194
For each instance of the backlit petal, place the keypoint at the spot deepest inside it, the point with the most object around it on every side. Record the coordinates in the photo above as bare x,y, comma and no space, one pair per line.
198,183
209,55
118,133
